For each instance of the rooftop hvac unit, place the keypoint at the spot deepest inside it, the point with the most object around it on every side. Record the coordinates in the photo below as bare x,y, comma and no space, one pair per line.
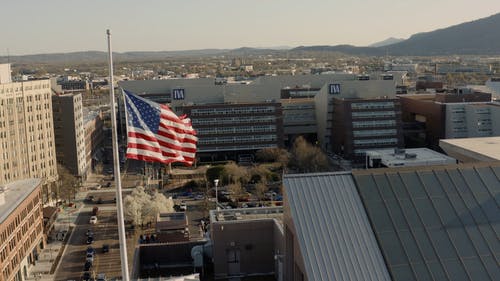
411,156
398,151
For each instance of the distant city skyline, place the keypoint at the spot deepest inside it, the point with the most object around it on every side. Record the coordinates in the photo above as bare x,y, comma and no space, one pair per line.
36,27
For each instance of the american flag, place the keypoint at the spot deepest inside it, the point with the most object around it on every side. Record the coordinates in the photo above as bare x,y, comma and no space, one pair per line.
156,134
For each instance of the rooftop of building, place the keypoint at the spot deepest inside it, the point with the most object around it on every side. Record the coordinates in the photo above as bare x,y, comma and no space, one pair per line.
14,194
429,222
89,115
247,214
332,229
485,149
410,157
435,222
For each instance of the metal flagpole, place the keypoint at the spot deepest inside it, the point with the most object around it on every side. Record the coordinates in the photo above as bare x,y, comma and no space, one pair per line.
116,161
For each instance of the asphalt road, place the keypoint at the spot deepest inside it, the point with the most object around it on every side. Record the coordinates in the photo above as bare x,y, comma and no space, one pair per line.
71,266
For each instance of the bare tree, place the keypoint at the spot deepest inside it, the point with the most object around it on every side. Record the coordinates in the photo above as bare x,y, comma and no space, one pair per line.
261,189
99,168
260,174
67,185
234,173
308,158
273,154
236,190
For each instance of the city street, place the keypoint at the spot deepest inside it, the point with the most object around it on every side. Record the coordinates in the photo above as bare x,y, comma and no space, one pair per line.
105,231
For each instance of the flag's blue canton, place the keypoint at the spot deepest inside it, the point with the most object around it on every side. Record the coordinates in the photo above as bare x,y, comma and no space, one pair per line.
149,113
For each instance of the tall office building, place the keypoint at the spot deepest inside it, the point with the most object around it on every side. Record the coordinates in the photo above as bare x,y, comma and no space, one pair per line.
70,133
359,114
27,147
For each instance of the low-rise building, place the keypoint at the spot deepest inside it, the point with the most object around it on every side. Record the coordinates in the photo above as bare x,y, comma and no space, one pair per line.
21,228
247,242
411,223
472,149
457,114
378,158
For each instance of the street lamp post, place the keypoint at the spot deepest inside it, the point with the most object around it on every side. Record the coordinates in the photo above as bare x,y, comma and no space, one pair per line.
216,183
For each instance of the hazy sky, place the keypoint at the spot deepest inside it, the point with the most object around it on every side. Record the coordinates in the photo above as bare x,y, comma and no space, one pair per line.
50,26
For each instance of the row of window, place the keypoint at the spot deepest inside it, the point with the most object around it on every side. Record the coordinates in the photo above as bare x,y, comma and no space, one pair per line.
232,110
237,139
21,253
372,105
371,142
373,114
236,130
373,123
236,147
233,120
370,133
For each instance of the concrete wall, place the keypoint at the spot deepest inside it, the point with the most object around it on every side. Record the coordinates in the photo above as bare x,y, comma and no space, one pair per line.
256,241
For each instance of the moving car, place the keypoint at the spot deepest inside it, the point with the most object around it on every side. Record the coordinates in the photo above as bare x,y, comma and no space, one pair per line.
93,220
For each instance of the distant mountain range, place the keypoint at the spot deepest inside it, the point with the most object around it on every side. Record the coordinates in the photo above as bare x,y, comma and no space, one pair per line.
388,41
479,37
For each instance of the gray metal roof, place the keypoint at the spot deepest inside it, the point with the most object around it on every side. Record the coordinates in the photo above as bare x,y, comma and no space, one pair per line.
436,223
332,229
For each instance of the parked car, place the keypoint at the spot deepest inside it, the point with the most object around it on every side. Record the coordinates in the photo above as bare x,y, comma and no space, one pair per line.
97,187
90,250
93,220
90,198
89,233
95,210
199,197
90,239
101,277
108,184
90,258
105,248
87,266
183,206
86,276
99,201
